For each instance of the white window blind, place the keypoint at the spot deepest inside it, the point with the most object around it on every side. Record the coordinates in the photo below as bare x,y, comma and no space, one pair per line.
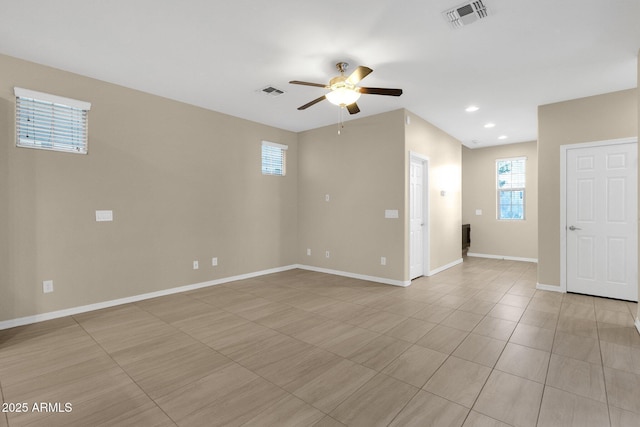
273,158
51,122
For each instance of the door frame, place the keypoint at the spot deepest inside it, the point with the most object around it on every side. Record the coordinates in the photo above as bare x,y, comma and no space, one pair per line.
417,157
563,196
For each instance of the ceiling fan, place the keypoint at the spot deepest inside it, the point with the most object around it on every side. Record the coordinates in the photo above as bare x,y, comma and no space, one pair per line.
344,90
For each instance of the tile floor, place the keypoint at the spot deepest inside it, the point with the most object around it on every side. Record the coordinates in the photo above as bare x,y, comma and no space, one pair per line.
476,345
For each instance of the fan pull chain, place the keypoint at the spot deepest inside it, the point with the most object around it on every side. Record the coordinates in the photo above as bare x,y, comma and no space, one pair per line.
341,122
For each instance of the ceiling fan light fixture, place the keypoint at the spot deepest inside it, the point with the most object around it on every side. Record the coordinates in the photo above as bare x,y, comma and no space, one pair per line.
344,90
343,96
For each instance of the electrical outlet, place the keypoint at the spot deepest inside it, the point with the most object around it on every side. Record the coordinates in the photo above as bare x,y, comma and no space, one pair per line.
214,261
326,254
195,265
47,286
308,252
383,260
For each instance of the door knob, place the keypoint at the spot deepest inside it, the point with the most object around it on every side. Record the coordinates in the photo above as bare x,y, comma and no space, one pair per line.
574,228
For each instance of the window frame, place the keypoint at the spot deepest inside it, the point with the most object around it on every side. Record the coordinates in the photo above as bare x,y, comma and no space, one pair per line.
500,190
57,123
270,169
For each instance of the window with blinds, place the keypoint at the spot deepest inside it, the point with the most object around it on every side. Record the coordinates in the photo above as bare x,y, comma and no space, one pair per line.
51,122
510,183
274,158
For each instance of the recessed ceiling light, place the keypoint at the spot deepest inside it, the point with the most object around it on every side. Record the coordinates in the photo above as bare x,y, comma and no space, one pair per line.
471,109
502,137
489,125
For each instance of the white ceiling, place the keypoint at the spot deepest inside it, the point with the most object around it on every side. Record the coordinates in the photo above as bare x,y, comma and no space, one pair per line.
219,54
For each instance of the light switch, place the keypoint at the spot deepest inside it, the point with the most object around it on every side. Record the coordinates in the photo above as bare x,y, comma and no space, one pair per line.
478,211
391,213
104,216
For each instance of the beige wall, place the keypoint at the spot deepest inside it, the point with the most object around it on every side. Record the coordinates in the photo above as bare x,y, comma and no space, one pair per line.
365,171
596,118
184,184
489,236
362,171
445,162
638,124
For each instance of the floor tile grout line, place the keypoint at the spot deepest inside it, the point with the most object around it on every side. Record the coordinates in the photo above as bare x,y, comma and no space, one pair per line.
604,375
108,354
450,355
377,372
281,387
341,321
367,382
544,386
239,363
404,406
496,363
5,415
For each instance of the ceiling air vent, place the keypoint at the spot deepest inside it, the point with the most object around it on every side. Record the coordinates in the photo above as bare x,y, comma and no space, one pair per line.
466,13
271,91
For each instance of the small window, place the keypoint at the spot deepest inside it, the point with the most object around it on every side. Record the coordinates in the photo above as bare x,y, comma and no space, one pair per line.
274,158
50,122
510,181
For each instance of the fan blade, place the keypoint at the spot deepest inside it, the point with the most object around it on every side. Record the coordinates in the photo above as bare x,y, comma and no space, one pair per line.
297,82
359,74
309,104
353,108
380,91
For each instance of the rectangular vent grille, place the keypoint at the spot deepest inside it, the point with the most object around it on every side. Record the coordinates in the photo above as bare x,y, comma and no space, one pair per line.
271,91
466,13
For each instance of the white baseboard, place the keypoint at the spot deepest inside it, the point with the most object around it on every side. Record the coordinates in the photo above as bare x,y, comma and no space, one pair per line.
504,257
551,288
12,323
382,280
445,267
638,324
6,324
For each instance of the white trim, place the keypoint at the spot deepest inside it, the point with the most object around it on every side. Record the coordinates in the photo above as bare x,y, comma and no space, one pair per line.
6,324
418,156
21,321
504,257
563,218
563,196
276,145
637,323
552,288
523,189
55,99
511,158
445,267
355,275
426,201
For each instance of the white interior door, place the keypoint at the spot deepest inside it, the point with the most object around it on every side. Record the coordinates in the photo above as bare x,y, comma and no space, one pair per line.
416,218
601,227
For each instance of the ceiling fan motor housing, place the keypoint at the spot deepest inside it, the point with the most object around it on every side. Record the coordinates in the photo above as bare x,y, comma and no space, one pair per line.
342,67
